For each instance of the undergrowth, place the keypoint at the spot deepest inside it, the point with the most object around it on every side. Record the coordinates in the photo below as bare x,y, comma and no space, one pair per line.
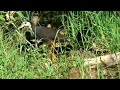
103,26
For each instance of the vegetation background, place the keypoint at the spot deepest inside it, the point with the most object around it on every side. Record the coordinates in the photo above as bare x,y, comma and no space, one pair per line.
104,27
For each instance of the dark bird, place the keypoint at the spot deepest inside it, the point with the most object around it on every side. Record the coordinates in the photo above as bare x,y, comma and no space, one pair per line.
44,33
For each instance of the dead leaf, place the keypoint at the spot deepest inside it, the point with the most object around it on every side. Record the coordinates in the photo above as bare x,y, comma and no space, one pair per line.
93,72
106,72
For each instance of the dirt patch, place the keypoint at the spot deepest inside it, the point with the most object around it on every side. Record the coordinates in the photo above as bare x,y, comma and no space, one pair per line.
74,73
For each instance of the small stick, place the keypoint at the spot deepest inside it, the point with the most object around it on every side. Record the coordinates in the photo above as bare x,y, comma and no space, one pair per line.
108,60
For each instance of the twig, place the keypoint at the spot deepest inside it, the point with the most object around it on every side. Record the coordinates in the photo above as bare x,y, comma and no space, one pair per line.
108,60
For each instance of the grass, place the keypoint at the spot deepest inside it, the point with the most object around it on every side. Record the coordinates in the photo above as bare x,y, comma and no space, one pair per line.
16,64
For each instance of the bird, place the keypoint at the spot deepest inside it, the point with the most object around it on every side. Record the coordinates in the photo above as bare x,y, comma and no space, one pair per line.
44,33
49,35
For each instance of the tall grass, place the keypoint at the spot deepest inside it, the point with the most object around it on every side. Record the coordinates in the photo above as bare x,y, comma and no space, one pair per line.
14,63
